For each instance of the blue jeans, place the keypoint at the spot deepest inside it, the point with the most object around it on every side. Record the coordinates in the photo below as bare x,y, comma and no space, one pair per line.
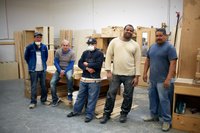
89,91
34,79
112,92
160,99
55,80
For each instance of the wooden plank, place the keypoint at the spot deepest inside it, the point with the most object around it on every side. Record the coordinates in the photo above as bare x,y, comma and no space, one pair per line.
189,35
50,58
7,43
51,35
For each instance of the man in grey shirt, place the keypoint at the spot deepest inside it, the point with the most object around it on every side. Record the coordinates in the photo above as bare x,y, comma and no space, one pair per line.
64,63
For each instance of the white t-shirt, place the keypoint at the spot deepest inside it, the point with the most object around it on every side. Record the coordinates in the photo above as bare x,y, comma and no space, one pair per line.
39,66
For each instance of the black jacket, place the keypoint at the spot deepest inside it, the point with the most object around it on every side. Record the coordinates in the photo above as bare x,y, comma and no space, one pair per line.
94,59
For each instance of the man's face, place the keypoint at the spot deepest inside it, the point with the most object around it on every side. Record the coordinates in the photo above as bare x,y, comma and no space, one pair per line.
38,38
160,37
128,32
65,46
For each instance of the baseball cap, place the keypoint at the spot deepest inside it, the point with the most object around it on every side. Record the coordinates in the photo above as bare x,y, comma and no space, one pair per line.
91,41
37,34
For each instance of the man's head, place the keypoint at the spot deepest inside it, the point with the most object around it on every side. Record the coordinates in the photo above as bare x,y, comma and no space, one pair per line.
128,32
37,37
92,44
161,36
65,45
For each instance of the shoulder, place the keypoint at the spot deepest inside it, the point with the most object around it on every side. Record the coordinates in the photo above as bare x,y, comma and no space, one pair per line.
72,51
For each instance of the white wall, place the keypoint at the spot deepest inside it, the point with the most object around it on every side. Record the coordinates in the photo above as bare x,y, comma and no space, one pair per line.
17,15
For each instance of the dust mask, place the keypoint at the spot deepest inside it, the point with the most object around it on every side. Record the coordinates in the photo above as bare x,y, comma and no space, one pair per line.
38,44
90,47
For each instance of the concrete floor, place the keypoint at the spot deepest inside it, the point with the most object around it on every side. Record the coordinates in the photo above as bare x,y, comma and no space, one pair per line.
15,117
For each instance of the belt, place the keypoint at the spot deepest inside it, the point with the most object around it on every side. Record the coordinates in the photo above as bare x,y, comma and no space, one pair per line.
90,80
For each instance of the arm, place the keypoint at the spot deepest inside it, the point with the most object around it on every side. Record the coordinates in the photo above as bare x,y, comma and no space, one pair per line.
56,62
81,62
146,68
172,70
137,65
46,55
109,56
26,54
70,66
98,62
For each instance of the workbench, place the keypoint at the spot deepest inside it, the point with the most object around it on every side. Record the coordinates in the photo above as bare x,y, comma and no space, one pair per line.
77,75
189,93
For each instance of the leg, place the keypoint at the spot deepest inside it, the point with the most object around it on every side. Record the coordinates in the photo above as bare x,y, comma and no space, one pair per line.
34,79
127,95
80,100
164,96
42,76
69,81
153,100
111,95
53,83
93,94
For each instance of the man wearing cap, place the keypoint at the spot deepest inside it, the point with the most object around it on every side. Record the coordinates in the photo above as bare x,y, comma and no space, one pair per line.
36,55
89,88
64,63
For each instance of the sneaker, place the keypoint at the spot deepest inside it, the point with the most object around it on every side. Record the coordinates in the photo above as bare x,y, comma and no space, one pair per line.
32,106
54,104
104,119
46,103
150,119
166,126
123,118
87,119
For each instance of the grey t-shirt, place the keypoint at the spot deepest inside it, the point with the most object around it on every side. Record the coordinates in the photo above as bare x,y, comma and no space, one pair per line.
64,57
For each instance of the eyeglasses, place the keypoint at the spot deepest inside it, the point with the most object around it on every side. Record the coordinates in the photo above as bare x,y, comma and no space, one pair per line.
66,45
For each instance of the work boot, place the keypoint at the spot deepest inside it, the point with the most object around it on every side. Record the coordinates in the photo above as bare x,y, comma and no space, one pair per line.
104,119
123,118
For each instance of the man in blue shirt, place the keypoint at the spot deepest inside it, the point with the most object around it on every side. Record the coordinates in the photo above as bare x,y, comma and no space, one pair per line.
161,59
36,55
91,63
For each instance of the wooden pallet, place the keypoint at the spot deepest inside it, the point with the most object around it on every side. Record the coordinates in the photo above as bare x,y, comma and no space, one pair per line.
99,106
